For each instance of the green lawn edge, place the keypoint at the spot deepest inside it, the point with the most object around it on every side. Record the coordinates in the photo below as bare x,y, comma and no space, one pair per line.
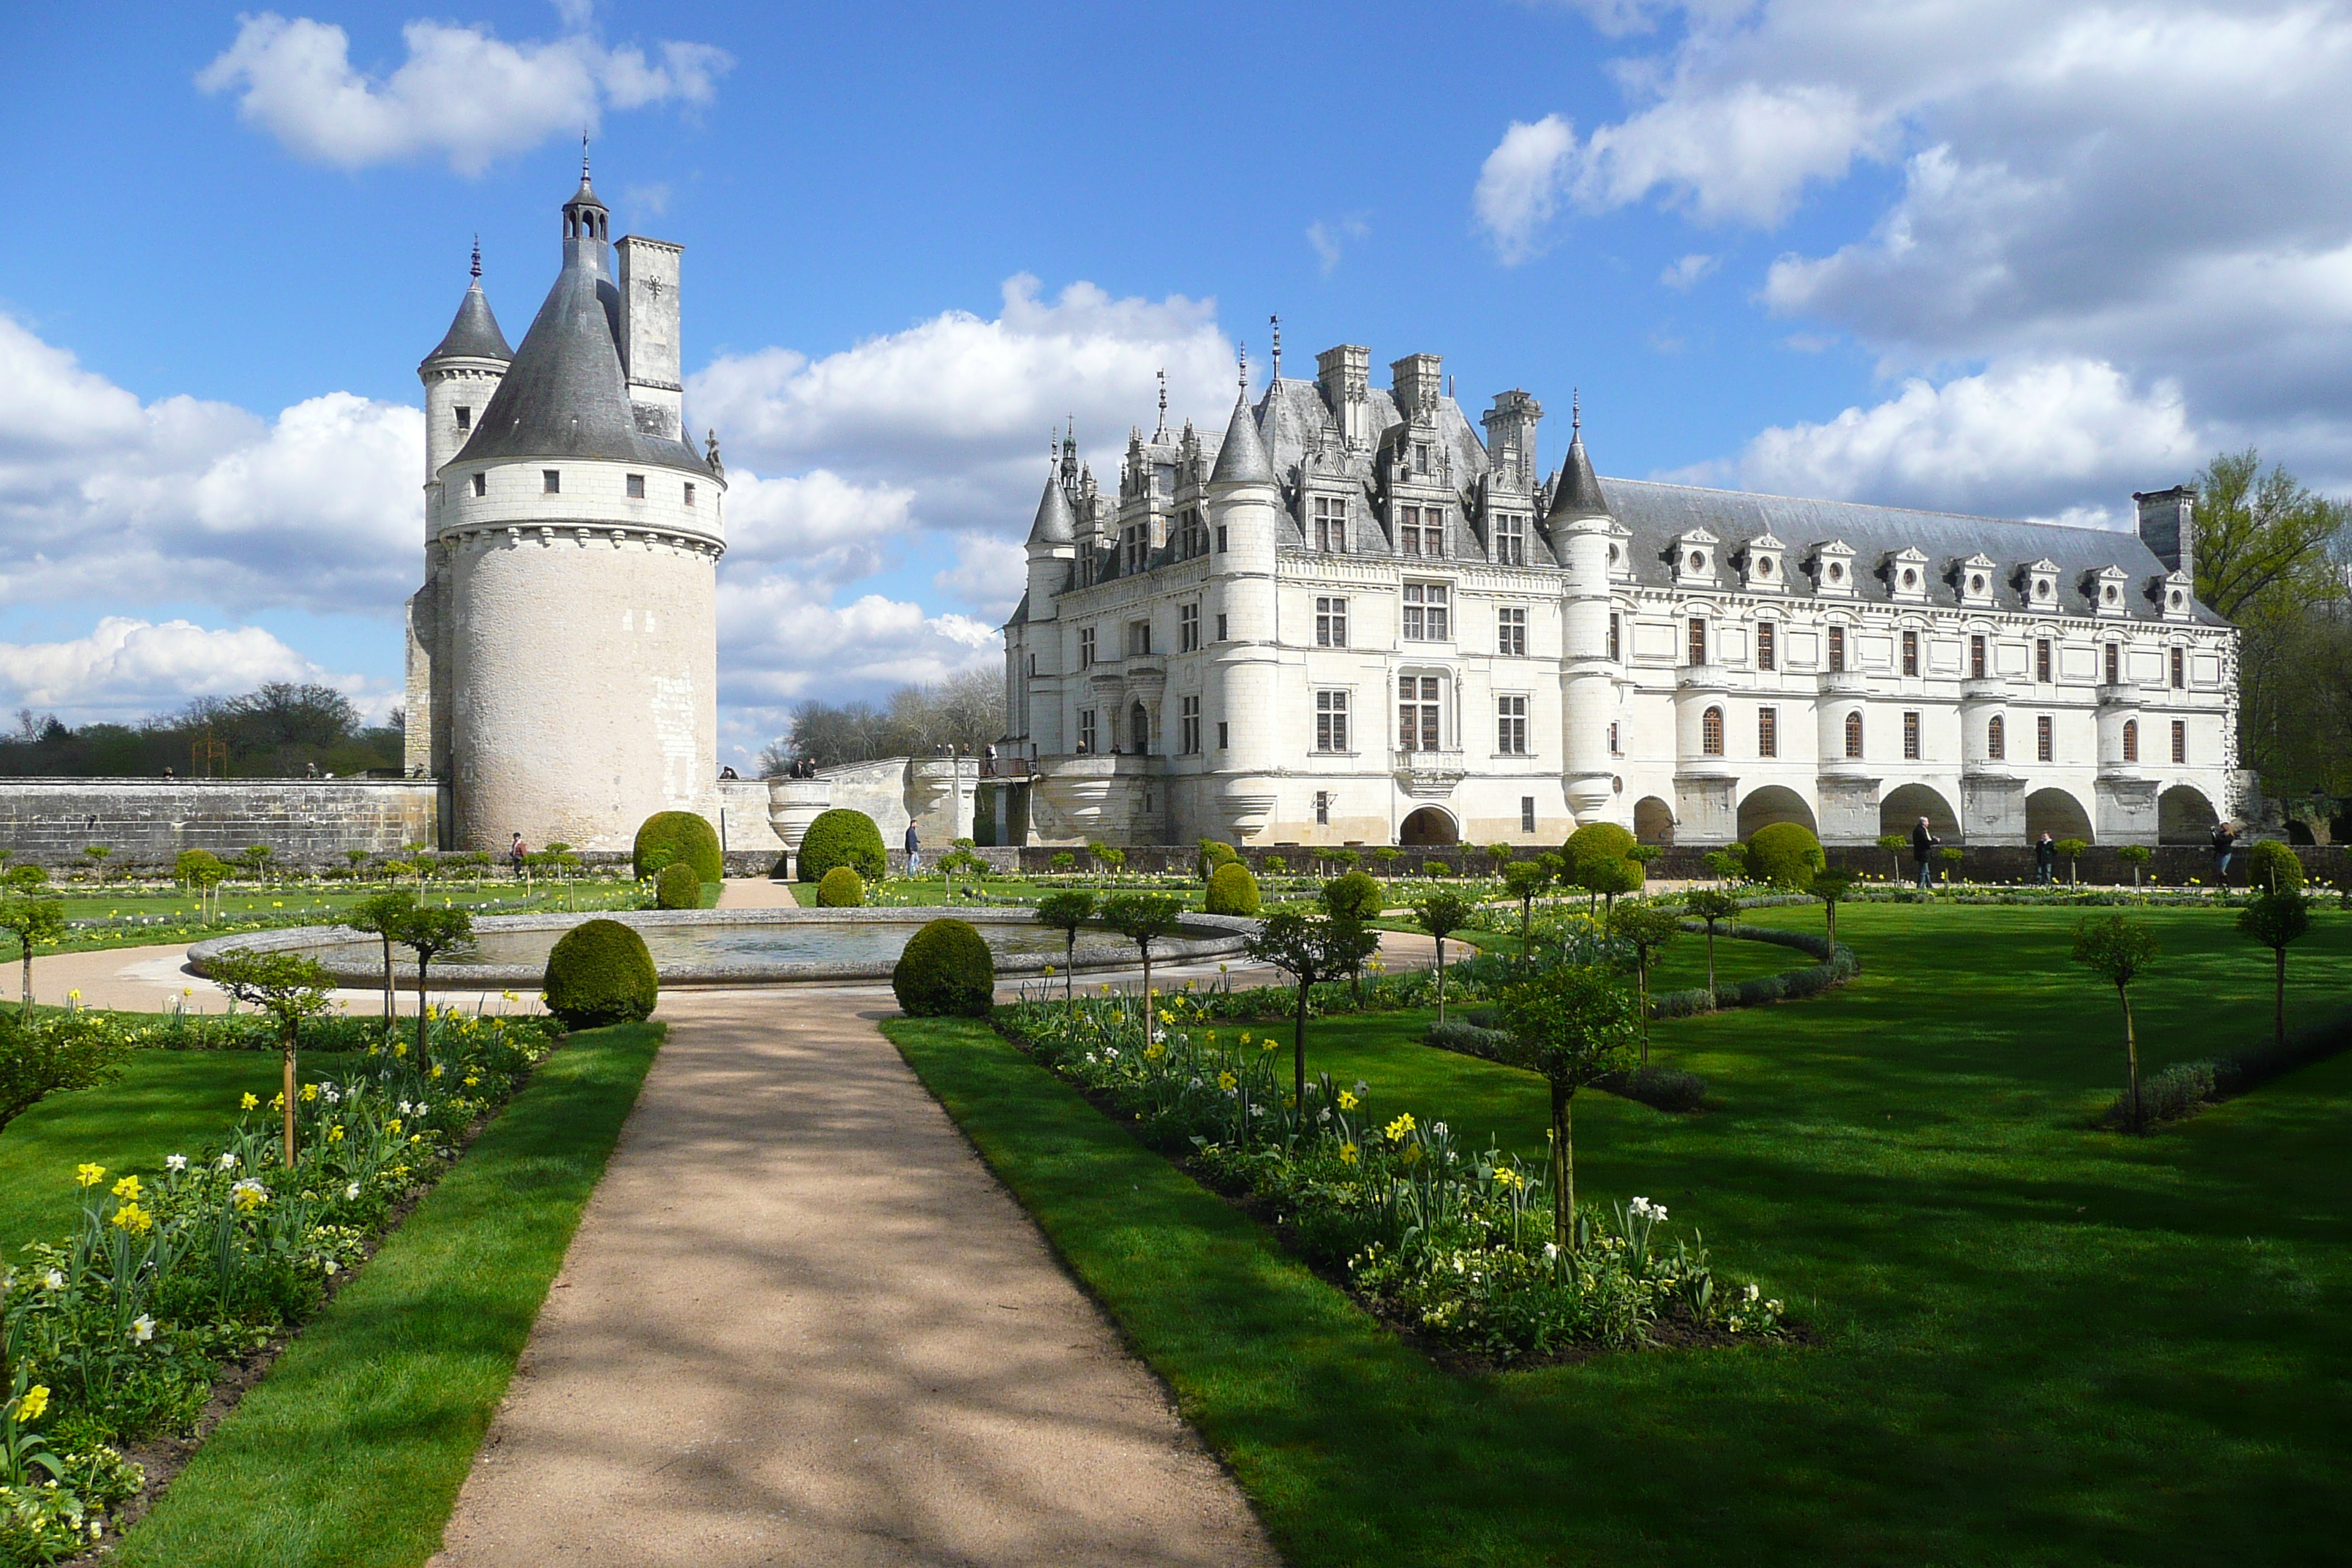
352,1450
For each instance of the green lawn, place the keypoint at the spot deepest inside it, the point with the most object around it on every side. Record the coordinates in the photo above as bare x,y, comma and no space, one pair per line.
2034,1344
352,1450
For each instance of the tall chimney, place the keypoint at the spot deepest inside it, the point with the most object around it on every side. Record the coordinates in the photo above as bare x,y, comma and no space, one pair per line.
650,332
1345,374
2167,526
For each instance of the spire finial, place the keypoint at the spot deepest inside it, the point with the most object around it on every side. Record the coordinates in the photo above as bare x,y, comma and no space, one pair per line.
583,154
1241,362
1162,432
478,257
1575,410
1275,321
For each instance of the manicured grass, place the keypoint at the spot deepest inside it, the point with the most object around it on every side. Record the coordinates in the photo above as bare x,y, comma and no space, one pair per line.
352,1450
168,1102
2034,1344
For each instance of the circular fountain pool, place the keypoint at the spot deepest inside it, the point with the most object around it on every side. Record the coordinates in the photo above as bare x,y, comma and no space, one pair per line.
733,947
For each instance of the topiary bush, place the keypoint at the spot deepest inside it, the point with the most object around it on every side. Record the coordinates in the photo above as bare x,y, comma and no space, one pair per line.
843,889
2274,867
1597,841
1355,897
1233,890
946,971
679,838
841,837
1785,855
676,887
600,972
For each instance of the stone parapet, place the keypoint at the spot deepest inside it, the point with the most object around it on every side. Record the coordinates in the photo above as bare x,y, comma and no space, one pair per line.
310,822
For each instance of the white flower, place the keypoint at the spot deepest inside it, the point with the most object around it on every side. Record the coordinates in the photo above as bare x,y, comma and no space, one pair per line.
228,1162
424,1110
1437,1129
352,1192
142,1329
1753,1291
175,1162
404,1111
53,1280
1552,1251
334,1096
331,1265
1363,1088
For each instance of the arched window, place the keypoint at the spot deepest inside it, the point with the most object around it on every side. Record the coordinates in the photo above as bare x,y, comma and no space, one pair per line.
1997,738
1710,732
2131,740
1853,733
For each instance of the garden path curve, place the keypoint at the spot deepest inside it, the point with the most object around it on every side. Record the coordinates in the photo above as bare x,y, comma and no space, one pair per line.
801,1322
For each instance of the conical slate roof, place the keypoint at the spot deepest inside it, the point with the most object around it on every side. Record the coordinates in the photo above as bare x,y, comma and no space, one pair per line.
1578,491
474,333
1242,458
1055,525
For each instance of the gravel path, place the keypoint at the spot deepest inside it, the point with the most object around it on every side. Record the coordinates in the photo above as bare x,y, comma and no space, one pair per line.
801,1323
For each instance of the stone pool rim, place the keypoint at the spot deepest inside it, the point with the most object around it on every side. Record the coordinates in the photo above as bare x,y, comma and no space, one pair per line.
1204,937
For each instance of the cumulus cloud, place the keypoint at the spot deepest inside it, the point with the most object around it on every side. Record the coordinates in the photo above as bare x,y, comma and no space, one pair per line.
128,668
2031,439
782,638
1520,186
461,93
1685,274
1331,238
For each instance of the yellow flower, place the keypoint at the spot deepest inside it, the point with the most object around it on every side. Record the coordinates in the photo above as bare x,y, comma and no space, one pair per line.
1507,1180
374,1050
1346,1153
310,1092
436,1070
392,1128
89,1176
1267,1044
1246,1036
1397,1130
127,1189
400,1047
1347,1102
277,1100
36,1401
134,1219
472,1078
1228,1082
334,1134
1154,1051
249,1102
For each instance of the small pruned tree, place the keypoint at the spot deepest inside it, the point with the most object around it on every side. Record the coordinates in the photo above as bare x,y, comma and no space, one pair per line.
2072,849
1144,919
1527,879
2276,920
428,933
1951,856
1213,854
1649,931
35,924
1346,859
1573,1025
2135,856
289,987
1441,914
255,860
1831,887
1895,844
383,916
97,854
2118,950
1497,856
1714,907
1611,878
1067,913
203,872
1307,947
1388,854
1728,863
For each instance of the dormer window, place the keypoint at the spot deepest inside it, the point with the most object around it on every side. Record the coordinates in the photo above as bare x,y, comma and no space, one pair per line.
465,419
1975,579
2176,596
1832,569
2105,589
1695,559
1907,575
1761,563
2037,583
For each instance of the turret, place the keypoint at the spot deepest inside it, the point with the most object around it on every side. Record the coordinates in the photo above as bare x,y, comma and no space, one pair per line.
1244,523
459,375
1051,549
1579,526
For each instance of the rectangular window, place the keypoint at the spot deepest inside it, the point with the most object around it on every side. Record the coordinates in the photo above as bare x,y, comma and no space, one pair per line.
635,484
1613,654
1192,535
1221,731
1767,732
1767,645
1614,749
550,481
1331,524
1417,712
1086,729
1322,809
1837,649
1221,628
2042,659
2180,741
1330,721
1910,653
1698,640
1510,540
1331,623
1421,532
1188,724
1710,732
2115,664
2042,748
1221,545
1086,648
1527,814
1511,631
1138,637
1976,657
481,484
1033,666
465,419
1425,612
1511,726
689,494
1911,737
2179,669
1188,628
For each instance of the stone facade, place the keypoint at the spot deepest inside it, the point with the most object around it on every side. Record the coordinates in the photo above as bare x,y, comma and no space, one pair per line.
147,822
1353,620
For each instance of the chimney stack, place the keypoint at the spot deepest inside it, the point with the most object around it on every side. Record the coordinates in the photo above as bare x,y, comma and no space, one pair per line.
2167,526
1345,374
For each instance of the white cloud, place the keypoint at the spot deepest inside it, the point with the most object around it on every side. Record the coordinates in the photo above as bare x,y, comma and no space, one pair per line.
990,573
2035,437
1332,237
461,93
1687,274
828,529
1520,186
128,668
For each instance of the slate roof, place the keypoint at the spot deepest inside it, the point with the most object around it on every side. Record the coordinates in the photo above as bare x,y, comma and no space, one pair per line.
1241,456
1656,513
1054,523
474,332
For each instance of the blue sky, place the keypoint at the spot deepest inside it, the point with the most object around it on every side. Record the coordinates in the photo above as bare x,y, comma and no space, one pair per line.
2008,257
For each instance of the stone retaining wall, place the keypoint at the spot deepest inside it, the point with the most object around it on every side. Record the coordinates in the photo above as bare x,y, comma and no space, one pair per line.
306,823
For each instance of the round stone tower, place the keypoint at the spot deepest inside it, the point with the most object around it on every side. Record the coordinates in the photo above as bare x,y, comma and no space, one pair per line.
577,532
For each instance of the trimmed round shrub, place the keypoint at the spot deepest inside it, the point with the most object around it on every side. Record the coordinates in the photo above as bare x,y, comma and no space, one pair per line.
679,838
1233,890
1596,841
676,887
841,837
1785,855
2274,867
946,971
1214,855
843,889
1435,868
1354,896
600,972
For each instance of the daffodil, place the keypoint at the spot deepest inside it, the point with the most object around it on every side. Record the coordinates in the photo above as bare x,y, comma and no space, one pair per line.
89,1176
127,1189
251,1101
36,1401
334,1134
1349,1101
1346,1153
134,1219
1228,1082
310,1092
142,1329
175,1162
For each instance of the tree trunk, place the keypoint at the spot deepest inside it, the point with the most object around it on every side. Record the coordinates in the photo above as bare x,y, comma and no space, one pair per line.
1298,1052
1069,967
1712,1003
1642,973
2278,1015
2131,1054
1440,980
28,975
390,996
1564,1168
1526,919
290,1093
423,962
1833,908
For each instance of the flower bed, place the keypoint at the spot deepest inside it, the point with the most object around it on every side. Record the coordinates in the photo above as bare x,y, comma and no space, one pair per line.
1451,1242
119,1332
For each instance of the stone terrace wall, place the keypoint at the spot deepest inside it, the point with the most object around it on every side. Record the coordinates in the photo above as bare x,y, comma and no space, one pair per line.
147,822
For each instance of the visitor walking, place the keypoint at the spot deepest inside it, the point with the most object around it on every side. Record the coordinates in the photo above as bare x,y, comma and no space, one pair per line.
517,856
2225,844
2045,860
1922,850
913,851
